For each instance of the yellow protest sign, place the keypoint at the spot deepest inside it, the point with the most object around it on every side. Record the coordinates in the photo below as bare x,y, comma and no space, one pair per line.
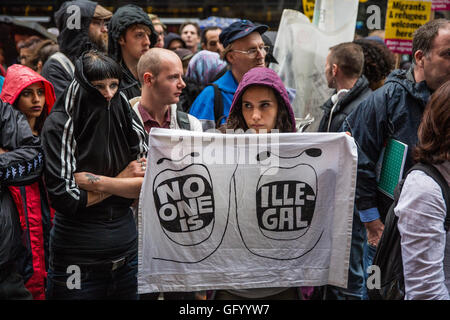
402,19
308,8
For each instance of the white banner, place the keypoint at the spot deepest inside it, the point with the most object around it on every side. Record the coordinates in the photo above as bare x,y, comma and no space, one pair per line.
239,211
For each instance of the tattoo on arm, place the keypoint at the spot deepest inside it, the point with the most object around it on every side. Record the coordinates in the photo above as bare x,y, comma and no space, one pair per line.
91,178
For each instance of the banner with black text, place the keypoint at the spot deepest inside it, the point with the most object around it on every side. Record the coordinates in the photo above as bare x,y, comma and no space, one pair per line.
238,211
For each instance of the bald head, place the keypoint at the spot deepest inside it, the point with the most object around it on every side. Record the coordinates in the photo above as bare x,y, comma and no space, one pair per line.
151,61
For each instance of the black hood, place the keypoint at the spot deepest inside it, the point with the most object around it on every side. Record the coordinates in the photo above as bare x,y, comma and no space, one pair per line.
170,37
95,96
73,39
123,18
95,121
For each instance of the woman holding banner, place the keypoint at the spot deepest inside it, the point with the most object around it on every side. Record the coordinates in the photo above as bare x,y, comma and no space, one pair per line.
261,104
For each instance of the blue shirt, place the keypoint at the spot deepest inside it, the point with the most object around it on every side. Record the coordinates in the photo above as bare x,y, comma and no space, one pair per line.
203,106
2,79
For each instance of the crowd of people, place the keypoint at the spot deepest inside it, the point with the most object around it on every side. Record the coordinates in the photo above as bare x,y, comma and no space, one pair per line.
75,118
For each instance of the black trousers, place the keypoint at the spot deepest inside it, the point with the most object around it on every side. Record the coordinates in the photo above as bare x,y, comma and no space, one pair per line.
12,286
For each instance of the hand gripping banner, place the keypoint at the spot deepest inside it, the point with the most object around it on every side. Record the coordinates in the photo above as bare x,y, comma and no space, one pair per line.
239,211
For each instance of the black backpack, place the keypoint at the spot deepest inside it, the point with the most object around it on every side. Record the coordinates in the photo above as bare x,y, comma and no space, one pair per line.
187,99
218,105
183,120
388,256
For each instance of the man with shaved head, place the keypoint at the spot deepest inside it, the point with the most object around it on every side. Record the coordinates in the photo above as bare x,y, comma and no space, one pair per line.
160,73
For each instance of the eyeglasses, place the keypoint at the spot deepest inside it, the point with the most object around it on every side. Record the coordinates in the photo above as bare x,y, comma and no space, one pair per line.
252,53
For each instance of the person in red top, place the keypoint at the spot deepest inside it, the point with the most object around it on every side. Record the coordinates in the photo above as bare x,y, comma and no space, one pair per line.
33,95
30,93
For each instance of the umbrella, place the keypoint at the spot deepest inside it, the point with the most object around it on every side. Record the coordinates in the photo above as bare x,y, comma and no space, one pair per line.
28,25
216,21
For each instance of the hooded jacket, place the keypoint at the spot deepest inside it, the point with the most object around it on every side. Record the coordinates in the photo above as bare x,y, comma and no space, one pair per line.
85,132
73,40
264,77
344,106
18,78
392,111
23,164
269,78
31,198
121,20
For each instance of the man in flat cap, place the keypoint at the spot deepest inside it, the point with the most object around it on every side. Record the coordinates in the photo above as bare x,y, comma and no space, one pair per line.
98,28
79,30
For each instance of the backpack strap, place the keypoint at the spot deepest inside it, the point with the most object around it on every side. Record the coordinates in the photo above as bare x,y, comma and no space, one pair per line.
183,120
434,173
65,62
218,105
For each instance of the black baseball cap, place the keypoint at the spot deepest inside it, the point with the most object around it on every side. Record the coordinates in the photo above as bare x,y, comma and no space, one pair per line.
238,30
269,55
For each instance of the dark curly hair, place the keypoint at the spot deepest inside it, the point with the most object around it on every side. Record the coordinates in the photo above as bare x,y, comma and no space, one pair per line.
99,66
379,61
434,129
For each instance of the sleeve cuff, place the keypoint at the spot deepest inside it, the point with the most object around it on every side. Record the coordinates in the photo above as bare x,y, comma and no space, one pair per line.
369,215
83,199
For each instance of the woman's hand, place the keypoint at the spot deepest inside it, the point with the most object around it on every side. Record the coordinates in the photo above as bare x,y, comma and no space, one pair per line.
134,169
3,150
87,181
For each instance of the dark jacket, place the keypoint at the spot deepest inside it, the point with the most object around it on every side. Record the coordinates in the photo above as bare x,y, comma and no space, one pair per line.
394,110
21,165
344,106
72,41
121,20
31,198
85,132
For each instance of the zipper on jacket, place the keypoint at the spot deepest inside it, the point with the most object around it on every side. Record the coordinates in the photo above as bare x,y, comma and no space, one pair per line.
108,154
